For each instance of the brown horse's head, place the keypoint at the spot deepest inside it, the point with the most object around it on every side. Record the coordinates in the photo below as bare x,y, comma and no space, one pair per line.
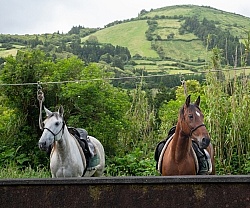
192,123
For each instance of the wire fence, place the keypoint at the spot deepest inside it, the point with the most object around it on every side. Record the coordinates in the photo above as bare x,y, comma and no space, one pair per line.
122,78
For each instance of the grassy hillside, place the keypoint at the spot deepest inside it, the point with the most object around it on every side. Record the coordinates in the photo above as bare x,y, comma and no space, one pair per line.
237,24
130,35
182,48
181,52
7,52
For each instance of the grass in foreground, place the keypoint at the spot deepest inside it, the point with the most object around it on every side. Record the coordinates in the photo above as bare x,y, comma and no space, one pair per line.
12,171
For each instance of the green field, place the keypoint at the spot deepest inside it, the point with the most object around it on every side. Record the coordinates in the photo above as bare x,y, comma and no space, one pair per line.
172,26
130,35
170,11
181,50
5,53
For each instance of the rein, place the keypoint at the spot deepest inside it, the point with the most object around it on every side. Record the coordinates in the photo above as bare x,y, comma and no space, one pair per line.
40,98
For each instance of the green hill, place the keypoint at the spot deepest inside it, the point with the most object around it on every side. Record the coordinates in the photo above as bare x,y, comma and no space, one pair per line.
128,34
186,48
157,39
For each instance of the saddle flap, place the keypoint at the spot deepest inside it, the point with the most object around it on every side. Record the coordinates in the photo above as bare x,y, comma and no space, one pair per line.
161,152
161,146
87,146
203,160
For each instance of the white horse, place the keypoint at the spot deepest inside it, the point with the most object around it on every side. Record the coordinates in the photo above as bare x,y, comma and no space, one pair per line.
67,158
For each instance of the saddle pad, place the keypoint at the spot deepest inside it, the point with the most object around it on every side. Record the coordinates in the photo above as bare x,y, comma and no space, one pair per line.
94,161
202,160
205,167
162,153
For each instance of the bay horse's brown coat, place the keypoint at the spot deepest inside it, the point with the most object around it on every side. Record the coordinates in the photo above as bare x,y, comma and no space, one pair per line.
178,158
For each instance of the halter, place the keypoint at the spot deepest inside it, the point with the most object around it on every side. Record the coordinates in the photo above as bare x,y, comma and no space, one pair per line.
62,129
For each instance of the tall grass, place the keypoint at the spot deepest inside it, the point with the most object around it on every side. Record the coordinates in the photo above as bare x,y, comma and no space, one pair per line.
137,141
228,103
141,118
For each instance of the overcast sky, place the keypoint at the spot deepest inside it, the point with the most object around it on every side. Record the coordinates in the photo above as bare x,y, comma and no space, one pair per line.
48,16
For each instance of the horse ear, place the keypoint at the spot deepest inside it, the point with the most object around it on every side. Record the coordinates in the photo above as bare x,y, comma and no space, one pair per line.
61,110
48,112
188,100
198,100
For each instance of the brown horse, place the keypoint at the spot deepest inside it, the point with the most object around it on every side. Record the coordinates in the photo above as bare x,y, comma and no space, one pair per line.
179,159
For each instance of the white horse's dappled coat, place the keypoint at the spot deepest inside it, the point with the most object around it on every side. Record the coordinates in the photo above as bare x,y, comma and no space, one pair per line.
67,158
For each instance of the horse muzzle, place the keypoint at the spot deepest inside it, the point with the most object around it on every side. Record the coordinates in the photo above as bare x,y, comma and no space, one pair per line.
204,142
42,146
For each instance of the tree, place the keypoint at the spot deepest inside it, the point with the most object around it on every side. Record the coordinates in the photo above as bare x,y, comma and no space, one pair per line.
20,98
106,57
96,106
143,11
117,62
92,40
170,36
168,112
90,102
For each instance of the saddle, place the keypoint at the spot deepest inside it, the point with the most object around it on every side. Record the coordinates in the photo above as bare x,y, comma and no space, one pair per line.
81,136
203,163
202,158
161,144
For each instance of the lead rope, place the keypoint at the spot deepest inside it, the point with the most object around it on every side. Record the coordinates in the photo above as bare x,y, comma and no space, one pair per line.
183,82
40,97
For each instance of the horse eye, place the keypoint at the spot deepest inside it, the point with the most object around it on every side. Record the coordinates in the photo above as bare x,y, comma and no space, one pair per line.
190,116
57,123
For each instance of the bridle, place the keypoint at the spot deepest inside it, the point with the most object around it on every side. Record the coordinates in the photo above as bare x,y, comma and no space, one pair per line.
192,130
62,129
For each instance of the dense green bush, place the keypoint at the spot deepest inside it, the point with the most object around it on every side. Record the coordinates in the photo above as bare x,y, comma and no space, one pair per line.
135,163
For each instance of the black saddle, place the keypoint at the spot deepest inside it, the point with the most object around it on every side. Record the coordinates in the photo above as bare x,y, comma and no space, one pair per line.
80,133
81,136
161,144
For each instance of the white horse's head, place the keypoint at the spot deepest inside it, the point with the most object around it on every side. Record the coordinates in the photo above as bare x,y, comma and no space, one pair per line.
53,127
